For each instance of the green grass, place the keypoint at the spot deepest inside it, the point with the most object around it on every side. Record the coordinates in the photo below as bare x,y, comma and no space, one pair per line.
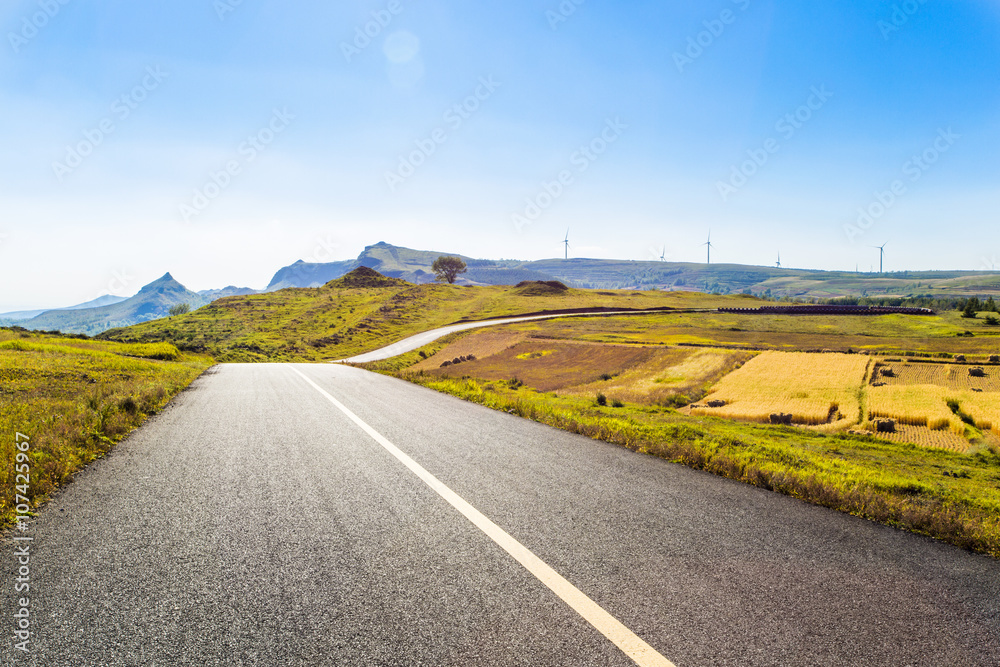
948,496
335,322
74,399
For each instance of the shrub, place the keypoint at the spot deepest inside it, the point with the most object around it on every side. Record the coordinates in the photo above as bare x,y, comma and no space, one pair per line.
678,400
606,376
179,309
617,404
602,399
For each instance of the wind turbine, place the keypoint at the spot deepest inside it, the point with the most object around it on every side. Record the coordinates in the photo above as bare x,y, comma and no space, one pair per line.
881,254
709,246
663,254
779,260
566,242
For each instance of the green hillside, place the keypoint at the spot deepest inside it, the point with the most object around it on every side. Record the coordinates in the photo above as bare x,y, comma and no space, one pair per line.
355,314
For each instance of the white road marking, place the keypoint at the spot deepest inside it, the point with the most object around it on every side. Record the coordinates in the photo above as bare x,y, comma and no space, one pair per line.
635,648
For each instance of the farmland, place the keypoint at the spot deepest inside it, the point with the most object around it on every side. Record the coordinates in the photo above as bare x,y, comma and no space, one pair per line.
646,382
811,388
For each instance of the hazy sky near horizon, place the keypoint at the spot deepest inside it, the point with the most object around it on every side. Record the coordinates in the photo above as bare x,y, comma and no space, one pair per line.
222,139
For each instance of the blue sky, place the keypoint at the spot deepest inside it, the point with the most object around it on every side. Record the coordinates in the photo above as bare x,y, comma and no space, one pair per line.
220,140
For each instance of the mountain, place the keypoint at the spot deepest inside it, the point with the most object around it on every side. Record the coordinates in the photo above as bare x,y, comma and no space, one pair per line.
407,264
153,301
304,274
106,300
415,266
209,295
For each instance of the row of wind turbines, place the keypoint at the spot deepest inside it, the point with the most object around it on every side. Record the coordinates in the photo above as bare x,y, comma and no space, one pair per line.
708,252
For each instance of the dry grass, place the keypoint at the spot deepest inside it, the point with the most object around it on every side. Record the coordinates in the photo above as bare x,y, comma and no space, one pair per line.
952,376
925,437
814,388
915,405
927,405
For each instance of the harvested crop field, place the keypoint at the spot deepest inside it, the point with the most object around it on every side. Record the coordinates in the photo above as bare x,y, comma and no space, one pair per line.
951,375
549,365
670,376
925,437
812,388
927,405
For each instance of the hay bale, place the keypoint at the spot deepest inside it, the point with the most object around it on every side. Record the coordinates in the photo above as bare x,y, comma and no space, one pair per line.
885,425
977,372
780,418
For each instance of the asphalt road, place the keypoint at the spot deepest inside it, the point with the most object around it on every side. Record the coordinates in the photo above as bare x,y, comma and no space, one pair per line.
253,522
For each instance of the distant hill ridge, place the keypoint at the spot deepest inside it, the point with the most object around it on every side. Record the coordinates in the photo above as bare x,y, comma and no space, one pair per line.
153,301
414,266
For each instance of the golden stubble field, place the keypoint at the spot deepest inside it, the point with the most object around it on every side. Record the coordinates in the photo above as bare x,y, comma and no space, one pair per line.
933,404
815,389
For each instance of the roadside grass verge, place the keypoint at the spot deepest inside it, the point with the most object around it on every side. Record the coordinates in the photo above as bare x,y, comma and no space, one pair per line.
74,399
948,496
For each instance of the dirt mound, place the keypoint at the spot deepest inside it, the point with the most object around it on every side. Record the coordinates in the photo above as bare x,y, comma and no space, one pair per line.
365,277
541,288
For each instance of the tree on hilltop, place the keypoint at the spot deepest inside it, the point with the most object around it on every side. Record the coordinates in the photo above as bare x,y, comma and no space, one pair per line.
447,268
